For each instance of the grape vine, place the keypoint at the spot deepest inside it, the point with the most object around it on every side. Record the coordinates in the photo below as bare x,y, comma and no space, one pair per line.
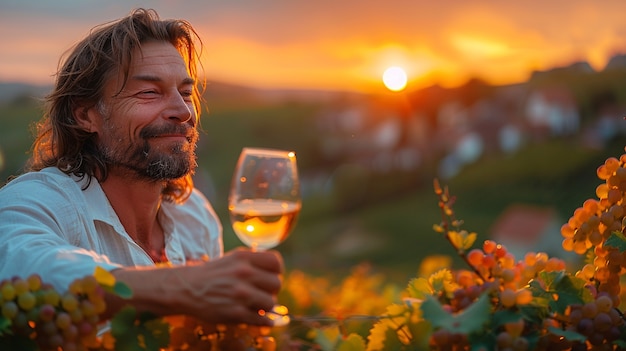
497,302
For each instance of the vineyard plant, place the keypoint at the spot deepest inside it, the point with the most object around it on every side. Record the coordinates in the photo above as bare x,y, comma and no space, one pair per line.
496,302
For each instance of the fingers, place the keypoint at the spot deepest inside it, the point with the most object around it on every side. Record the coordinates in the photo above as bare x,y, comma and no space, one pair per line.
270,260
235,287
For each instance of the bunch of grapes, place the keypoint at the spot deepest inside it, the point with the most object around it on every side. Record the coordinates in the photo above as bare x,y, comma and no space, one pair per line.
37,312
189,334
586,232
496,271
598,320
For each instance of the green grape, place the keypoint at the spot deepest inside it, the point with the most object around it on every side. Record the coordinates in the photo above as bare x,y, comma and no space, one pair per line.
52,297
9,309
26,300
87,308
63,320
34,282
8,291
604,303
99,305
69,302
89,284
76,315
508,275
20,285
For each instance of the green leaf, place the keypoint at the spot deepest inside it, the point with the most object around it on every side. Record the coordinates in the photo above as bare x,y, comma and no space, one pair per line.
503,317
123,328
323,338
391,341
469,321
616,240
567,334
420,332
536,312
353,342
560,290
119,289
133,333
156,333
5,325
122,290
419,288
482,341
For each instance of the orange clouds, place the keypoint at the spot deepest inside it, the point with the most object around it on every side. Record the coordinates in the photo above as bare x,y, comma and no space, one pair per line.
347,44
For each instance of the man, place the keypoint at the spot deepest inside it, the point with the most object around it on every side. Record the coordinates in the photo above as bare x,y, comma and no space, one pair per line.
109,183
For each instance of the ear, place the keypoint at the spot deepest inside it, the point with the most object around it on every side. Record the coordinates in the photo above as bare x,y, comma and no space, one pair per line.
87,118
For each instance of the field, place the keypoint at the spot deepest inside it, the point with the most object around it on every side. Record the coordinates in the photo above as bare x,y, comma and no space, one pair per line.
393,233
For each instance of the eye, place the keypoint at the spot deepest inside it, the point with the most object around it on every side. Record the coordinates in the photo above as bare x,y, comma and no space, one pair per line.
186,94
147,94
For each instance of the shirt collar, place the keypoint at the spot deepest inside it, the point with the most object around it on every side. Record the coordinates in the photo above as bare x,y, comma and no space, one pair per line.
101,209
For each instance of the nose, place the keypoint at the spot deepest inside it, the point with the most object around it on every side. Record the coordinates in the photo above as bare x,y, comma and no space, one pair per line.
181,110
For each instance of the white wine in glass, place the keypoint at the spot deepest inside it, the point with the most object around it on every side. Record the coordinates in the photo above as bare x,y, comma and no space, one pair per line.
264,202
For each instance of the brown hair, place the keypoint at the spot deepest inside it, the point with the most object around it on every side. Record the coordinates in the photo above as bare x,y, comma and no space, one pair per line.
108,48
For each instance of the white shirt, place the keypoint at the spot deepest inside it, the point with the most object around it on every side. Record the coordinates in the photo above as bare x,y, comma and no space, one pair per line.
51,227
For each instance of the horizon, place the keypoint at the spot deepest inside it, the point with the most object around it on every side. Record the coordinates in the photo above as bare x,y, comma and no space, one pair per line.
345,46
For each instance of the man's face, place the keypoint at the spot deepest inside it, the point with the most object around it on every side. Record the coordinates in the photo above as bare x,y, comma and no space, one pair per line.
148,130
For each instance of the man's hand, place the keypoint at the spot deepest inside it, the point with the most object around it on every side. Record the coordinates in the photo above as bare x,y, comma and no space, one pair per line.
230,289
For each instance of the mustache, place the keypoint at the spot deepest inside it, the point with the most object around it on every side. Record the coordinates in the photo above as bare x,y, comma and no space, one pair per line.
154,131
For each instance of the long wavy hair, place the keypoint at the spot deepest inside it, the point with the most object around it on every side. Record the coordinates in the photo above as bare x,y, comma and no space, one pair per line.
59,141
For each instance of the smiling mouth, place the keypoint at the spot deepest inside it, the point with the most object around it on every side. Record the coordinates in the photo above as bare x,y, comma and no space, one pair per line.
173,137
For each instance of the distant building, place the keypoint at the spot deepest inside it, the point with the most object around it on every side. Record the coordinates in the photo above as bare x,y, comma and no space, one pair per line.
525,228
552,112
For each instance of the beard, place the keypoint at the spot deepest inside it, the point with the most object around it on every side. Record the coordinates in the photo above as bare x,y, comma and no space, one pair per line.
143,161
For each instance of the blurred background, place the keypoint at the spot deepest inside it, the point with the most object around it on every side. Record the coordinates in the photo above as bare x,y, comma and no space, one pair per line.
513,105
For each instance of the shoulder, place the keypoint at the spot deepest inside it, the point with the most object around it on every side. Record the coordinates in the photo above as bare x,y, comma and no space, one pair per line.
41,185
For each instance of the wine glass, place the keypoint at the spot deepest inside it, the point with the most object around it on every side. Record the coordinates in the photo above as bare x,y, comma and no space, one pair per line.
264,203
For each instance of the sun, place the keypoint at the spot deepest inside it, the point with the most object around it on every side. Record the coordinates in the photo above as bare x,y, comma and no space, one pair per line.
395,78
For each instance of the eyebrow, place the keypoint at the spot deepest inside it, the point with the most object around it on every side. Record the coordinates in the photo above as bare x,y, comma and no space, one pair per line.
150,78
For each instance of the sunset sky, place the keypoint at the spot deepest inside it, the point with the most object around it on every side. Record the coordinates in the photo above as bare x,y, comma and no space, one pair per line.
338,44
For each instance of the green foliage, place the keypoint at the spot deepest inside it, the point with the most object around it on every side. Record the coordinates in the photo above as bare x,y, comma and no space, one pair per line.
120,289
138,333
616,240
560,290
471,320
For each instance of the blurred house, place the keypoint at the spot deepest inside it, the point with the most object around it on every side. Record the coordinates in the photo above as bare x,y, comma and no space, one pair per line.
552,112
524,228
